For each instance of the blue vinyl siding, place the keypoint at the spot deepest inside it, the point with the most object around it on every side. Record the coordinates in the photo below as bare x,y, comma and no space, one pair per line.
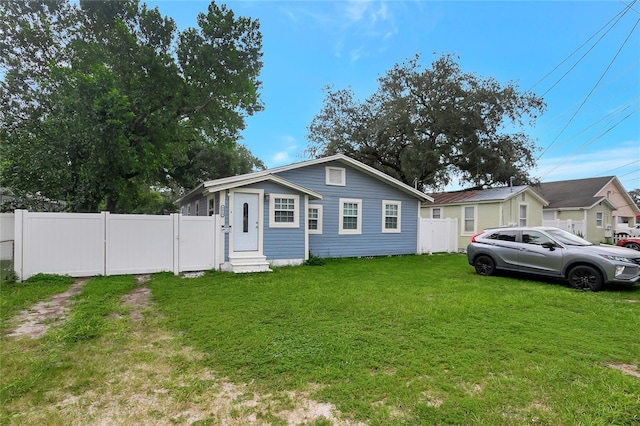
372,241
282,243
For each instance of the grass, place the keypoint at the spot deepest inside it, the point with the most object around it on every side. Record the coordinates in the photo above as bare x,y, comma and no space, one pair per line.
7,275
401,340
16,296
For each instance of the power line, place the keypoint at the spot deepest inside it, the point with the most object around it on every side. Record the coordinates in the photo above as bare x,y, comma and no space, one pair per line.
592,89
586,144
619,15
619,110
621,167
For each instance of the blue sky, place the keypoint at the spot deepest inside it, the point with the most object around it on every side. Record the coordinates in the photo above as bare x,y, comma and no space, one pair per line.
592,123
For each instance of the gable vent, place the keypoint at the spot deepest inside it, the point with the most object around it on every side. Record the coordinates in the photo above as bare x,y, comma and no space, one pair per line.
335,176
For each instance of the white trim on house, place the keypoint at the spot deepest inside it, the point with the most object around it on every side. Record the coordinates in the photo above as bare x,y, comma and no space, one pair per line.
350,231
248,261
463,230
335,176
601,214
398,216
526,216
317,207
295,222
234,181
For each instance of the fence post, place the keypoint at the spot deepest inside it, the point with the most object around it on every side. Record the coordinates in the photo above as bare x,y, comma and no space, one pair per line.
104,217
18,235
176,242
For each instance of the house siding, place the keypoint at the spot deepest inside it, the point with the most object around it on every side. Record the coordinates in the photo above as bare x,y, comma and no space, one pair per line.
626,210
282,243
371,241
597,234
490,214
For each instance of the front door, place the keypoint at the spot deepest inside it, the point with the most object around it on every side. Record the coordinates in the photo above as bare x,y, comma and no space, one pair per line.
245,225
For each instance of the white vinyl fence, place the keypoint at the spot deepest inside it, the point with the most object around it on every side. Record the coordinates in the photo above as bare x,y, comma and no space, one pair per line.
6,236
438,235
89,244
573,226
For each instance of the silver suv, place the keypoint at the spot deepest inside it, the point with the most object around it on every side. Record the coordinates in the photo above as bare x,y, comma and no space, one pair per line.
555,253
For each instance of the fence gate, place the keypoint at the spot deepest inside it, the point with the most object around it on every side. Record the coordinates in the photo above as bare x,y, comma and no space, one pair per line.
438,235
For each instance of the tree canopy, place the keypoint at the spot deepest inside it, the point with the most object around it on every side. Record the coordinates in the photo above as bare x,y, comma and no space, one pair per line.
102,102
424,126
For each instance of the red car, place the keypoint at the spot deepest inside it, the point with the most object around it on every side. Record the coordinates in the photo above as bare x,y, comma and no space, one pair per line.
632,243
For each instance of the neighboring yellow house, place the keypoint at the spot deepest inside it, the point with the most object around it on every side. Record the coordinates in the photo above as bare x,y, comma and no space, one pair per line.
479,209
591,207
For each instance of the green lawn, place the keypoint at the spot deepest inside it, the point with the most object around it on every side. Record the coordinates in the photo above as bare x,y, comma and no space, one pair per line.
398,340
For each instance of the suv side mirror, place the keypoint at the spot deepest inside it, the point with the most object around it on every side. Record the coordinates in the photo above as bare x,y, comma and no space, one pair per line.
549,245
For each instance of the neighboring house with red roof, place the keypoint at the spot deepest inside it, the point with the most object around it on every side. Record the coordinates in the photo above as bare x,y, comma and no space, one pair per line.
479,209
601,204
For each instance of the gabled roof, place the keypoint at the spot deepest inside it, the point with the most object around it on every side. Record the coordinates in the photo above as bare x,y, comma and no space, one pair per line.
575,193
483,195
228,183
271,174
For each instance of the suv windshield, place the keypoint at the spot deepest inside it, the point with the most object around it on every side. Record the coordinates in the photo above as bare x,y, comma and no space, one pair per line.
567,237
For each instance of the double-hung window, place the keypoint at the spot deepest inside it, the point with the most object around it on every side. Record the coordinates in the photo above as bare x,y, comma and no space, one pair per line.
523,216
284,211
468,219
599,219
350,216
391,216
315,219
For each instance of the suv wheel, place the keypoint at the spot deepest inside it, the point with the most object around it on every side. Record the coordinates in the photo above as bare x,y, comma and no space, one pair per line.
632,245
484,265
584,277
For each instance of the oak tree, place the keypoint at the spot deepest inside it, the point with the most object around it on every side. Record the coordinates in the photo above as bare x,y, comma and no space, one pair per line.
425,126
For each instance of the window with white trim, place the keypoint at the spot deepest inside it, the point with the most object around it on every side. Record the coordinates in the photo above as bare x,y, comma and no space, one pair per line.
197,208
212,206
436,213
284,211
314,221
468,219
189,209
336,176
391,216
599,219
350,216
523,216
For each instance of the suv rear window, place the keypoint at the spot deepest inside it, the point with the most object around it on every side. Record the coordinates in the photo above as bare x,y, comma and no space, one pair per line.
503,235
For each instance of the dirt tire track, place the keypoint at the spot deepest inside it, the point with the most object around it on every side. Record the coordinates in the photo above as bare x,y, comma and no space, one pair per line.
36,321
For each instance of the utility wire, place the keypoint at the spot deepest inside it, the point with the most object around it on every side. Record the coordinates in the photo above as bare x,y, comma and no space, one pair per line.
621,167
586,144
611,115
619,15
629,5
593,89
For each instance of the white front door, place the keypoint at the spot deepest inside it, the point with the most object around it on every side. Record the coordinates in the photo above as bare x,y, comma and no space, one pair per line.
245,226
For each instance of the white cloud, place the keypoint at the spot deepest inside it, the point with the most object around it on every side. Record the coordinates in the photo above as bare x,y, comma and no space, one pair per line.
362,22
279,158
288,146
622,161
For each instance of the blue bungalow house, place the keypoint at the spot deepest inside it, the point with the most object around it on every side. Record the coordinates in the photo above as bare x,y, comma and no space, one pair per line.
331,207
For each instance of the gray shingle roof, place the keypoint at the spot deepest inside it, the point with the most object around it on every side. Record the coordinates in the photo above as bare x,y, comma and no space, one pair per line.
576,193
